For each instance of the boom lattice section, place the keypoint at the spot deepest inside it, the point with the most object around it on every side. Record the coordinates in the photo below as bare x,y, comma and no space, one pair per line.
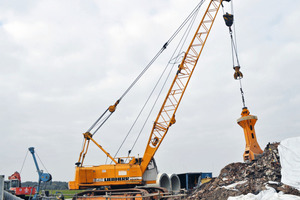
166,115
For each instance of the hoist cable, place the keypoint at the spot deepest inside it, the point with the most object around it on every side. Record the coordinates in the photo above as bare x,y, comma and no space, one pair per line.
242,93
135,121
234,50
150,97
234,54
183,39
232,34
234,29
164,47
151,62
41,162
234,44
24,162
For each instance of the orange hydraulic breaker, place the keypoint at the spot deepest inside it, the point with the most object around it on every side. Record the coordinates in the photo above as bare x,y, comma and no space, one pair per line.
247,122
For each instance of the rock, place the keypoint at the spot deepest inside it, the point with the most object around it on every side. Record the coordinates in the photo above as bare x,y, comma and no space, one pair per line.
288,190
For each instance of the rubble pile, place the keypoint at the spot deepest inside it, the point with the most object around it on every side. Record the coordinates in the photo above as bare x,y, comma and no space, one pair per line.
242,178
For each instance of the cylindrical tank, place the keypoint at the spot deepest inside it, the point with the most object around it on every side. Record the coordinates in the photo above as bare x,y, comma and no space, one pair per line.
175,183
163,180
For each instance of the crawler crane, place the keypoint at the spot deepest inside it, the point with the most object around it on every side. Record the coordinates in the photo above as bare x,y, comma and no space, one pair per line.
142,171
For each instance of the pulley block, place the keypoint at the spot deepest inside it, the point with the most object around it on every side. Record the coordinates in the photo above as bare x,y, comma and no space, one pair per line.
228,19
237,74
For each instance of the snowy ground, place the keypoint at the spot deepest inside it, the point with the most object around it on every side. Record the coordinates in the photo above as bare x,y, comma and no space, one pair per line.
269,194
289,151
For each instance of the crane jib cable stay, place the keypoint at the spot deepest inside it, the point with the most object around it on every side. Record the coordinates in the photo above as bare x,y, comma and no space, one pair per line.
246,121
106,115
112,108
178,50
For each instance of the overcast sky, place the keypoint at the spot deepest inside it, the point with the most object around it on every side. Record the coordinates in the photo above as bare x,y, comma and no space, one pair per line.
64,62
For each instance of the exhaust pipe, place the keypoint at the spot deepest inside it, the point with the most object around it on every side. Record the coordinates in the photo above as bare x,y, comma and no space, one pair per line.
175,183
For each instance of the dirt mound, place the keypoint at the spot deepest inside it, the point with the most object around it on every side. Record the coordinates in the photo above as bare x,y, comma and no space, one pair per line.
242,178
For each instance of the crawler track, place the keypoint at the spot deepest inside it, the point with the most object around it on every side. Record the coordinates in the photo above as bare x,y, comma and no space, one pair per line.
141,193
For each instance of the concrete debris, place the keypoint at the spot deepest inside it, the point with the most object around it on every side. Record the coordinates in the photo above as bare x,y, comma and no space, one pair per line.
242,178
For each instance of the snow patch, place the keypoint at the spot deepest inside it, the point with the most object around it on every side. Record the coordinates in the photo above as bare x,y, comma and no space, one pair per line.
232,186
273,182
268,194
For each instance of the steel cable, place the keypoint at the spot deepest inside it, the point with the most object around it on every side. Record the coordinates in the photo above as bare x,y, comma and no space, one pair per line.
234,53
182,41
42,163
24,162
151,62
